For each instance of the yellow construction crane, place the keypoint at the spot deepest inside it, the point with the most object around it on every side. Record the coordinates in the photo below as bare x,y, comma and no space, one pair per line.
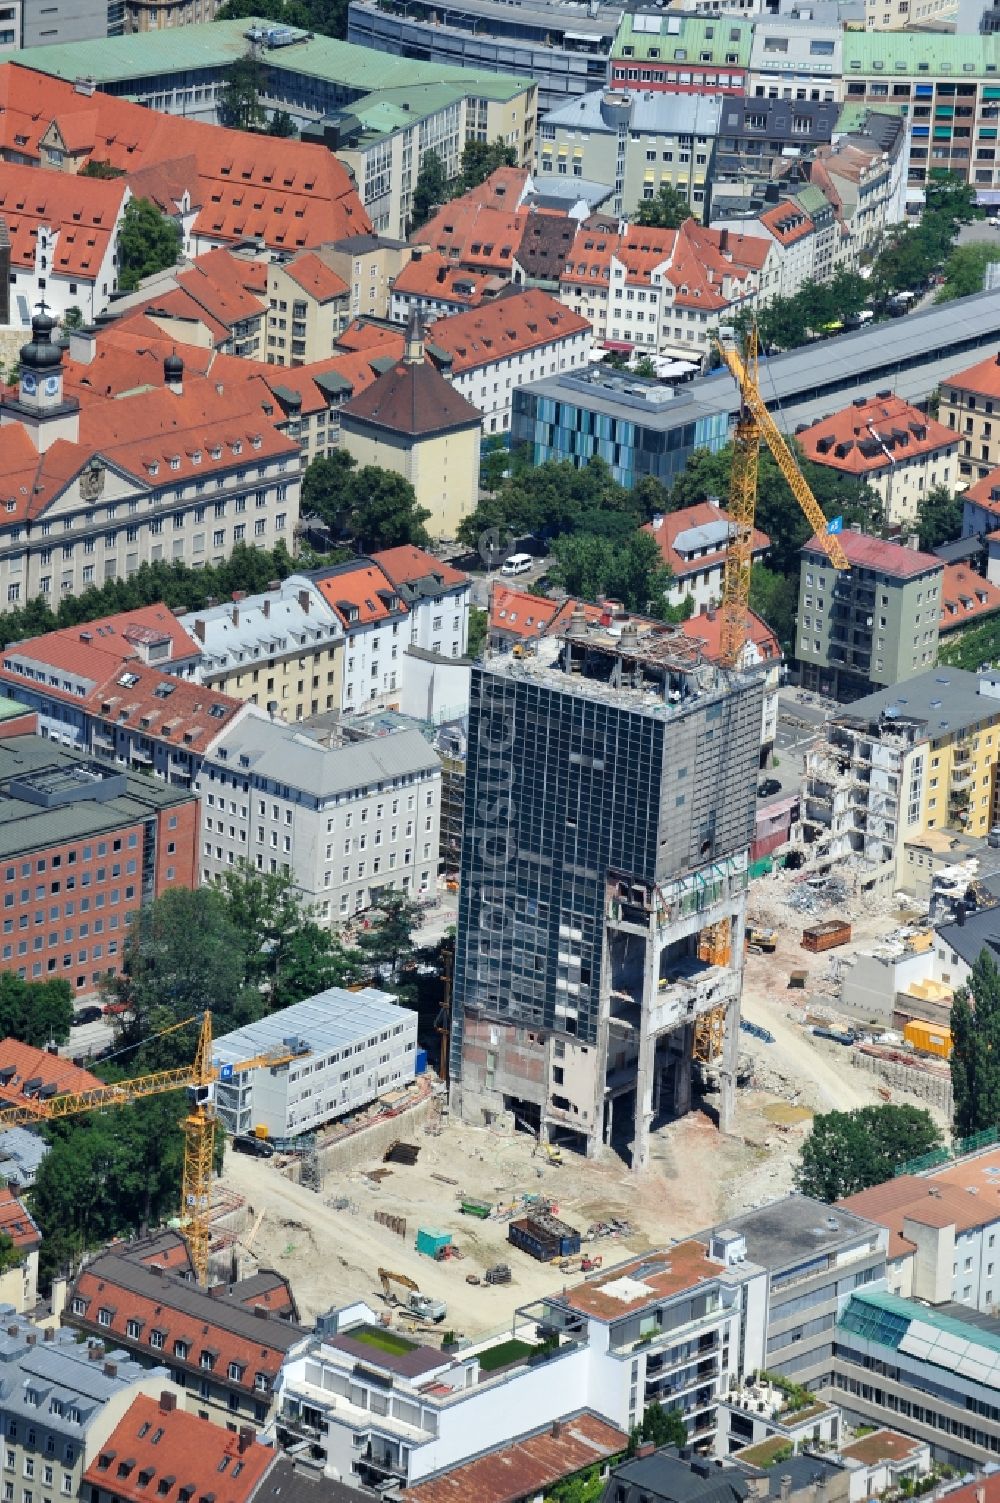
199,1080
754,425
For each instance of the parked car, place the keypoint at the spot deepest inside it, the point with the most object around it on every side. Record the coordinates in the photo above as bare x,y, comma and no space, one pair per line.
86,1015
257,1147
768,786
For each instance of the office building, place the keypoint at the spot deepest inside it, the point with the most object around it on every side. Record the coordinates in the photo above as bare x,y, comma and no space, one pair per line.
635,142
637,426
969,400
675,1326
221,1348
681,53
349,1048
814,1256
795,59
875,623
346,819
917,757
38,25
559,46
883,442
595,953
84,846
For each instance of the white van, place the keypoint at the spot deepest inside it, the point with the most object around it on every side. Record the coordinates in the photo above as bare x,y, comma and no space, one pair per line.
518,563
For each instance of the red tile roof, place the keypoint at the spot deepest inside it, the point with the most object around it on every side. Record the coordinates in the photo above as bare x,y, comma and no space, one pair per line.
361,595
667,529
82,212
516,322
406,565
965,596
431,275
314,276
475,235
527,1467
503,189
706,628
928,1202
892,559
984,1489
986,492
516,613
412,399
16,1221
22,1065
707,268
983,378
873,435
787,222
159,1451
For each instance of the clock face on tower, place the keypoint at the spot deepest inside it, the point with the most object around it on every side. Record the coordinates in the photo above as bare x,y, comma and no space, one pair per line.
28,384
51,386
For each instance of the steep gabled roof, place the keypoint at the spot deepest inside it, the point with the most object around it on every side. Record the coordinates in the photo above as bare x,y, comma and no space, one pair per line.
412,398
158,1450
515,323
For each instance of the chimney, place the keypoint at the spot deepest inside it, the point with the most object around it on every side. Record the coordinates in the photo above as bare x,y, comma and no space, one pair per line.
723,241
236,615
82,345
95,1351
199,630
50,1333
32,1339
710,612
913,541
238,595
786,1488
304,600
111,1369
246,1438
168,1401
12,1330
58,1297
266,608
646,1448
980,1495
556,1429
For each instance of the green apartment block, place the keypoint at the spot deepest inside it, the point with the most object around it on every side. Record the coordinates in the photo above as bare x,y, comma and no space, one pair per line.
949,87
873,624
378,112
682,54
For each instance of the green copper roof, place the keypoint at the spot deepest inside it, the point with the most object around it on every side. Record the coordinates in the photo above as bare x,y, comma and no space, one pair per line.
219,43
684,39
925,1333
910,54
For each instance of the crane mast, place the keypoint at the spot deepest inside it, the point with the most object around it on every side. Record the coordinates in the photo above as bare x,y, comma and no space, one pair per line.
754,426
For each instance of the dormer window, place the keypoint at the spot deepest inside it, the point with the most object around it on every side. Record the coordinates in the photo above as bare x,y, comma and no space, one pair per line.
216,451
196,457
153,467
237,446
175,461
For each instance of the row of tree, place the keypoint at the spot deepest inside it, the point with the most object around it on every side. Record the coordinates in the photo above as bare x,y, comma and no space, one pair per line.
370,507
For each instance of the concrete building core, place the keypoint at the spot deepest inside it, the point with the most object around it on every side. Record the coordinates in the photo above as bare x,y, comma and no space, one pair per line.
609,809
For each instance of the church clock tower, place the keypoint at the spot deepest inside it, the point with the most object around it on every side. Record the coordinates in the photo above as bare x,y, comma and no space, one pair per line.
41,405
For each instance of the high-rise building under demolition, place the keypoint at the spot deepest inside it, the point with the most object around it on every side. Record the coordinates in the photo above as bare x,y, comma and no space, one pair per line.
609,809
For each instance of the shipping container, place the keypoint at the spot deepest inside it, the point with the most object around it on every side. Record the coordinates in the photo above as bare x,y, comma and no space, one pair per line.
421,1062
826,936
929,1038
430,1242
544,1237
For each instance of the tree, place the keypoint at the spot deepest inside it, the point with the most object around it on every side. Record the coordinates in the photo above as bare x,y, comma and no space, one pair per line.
968,649
848,1151
430,190
101,170
975,1058
35,1012
667,211
494,464
632,571
183,953
644,366
775,598
481,158
10,1255
72,318
282,124
939,518
557,497
478,628
239,102
664,1427
326,17
288,955
147,242
393,918
375,507
965,271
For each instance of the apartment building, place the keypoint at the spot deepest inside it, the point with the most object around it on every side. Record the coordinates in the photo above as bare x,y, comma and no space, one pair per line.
758,136
83,846
351,1048
681,53
221,1352
886,443
948,85
373,617
864,175
661,291
560,1016
436,595
814,1256
901,15
215,301
797,241
876,623
672,1327
414,422
63,237
635,141
917,757
793,59
432,287
155,1441
970,407
518,338
693,544
943,1231
308,309
282,650
185,473
19,1283
346,819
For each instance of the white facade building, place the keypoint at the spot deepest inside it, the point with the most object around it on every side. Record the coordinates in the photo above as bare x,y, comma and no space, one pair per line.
346,822
349,1048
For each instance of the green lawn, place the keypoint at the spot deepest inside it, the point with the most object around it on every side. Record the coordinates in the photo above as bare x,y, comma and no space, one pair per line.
503,1354
383,1340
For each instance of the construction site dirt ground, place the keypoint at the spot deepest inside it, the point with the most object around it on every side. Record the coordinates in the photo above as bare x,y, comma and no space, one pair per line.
697,1176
